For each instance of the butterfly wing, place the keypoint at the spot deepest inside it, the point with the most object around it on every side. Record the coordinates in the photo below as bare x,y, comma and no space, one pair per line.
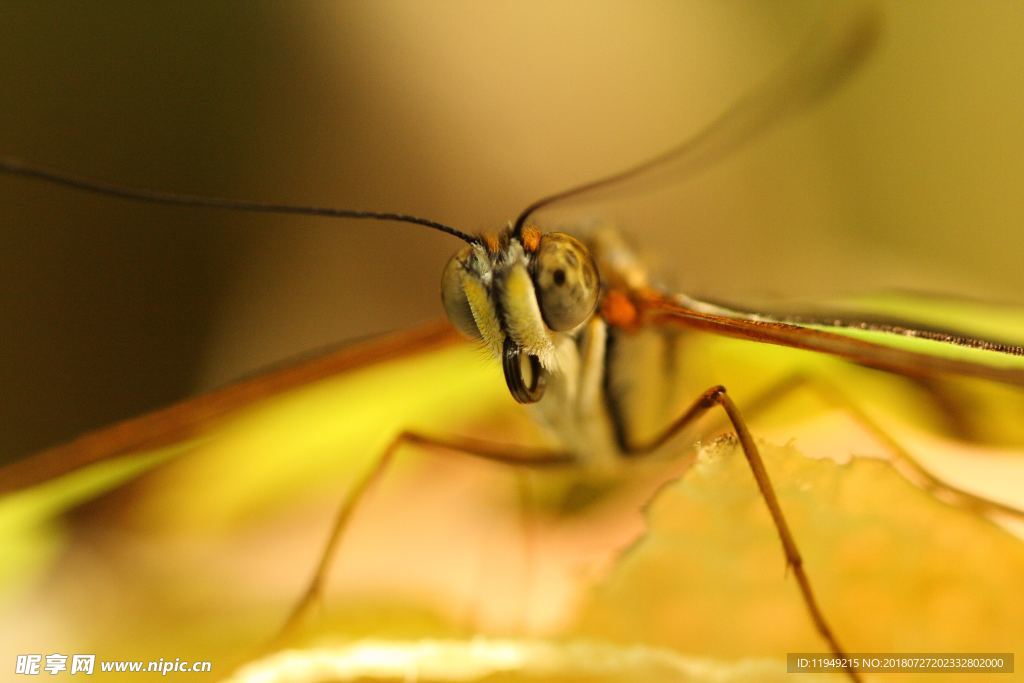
207,517
220,538
945,370
188,419
947,350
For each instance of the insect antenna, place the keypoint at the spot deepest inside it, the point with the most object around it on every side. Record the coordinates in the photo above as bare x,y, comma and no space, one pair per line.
822,62
21,169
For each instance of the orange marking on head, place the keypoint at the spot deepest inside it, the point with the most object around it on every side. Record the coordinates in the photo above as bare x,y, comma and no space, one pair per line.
530,237
492,242
618,311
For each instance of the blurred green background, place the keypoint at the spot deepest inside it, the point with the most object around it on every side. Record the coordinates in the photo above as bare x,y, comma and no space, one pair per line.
463,112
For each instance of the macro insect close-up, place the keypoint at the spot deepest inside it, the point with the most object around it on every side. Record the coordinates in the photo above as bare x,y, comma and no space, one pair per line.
725,370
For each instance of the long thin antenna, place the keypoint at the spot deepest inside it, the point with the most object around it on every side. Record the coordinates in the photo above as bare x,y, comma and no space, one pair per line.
21,169
826,58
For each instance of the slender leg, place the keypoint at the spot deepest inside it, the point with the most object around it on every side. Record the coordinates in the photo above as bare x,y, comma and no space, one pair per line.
716,396
837,398
500,453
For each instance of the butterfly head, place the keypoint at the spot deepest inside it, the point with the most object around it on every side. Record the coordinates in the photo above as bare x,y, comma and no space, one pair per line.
515,291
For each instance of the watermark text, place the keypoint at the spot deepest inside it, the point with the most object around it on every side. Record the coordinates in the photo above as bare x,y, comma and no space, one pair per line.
87,664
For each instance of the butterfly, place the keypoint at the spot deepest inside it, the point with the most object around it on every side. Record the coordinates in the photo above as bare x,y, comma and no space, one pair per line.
624,305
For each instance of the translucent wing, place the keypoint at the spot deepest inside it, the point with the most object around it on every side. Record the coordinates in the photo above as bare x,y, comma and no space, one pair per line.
877,189
832,51
220,538
937,381
187,419
990,359
153,517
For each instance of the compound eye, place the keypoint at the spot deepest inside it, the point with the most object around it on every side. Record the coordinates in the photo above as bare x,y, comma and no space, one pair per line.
565,277
453,295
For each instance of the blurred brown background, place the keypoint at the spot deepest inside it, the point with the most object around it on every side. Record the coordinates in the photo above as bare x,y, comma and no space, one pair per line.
463,112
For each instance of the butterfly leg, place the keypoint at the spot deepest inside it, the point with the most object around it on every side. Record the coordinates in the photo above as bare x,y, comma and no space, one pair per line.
835,397
499,453
717,396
